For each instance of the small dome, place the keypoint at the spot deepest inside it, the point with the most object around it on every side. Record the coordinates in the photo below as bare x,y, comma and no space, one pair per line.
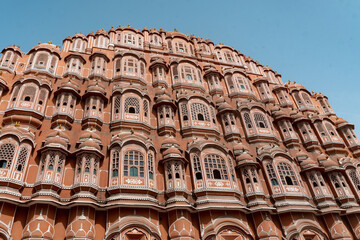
49,46
170,141
89,144
112,29
79,35
296,114
340,121
278,113
223,106
240,146
308,163
172,151
61,134
322,157
329,163
162,95
218,99
301,155
88,135
69,86
274,108
101,32
95,87
57,139
244,157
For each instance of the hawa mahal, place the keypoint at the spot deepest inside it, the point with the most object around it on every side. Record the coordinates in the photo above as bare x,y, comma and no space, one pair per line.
147,135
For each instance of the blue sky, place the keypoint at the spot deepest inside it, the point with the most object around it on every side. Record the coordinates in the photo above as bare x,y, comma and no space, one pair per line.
315,43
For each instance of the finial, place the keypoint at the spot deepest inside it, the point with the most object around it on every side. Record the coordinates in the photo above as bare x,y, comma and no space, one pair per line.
59,126
0,73
39,43
49,42
206,137
132,131
175,30
128,25
36,74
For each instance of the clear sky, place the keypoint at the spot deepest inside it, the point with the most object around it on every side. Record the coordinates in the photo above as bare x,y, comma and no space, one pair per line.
315,43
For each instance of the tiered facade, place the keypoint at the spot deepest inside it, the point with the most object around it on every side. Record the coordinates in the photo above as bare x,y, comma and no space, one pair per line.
150,135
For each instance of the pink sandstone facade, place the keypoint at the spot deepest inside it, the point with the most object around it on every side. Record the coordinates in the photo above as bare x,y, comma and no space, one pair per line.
148,135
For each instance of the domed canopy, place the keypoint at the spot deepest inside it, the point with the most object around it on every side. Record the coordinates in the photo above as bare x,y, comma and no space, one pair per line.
56,139
340,123
224,106
162,97
89,144
95,88
69,86
89,135
46,46
79,35
308,164
172,151
61,134
101,32
245,159
278,113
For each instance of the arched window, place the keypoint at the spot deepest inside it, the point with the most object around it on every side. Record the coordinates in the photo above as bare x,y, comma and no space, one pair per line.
29,93
199,112
189,73
130,66
142,69
15,92
145,108
133,164
7,152
61,159
286,174
184,112
41,61
21,160
246,176
42,96
132,105
272,175
115,163
197,167
169,171
260,120
181,47
307,99
117,103
355,178
117,66
247,120
338,180
151,166
129,39
330,129
215,167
